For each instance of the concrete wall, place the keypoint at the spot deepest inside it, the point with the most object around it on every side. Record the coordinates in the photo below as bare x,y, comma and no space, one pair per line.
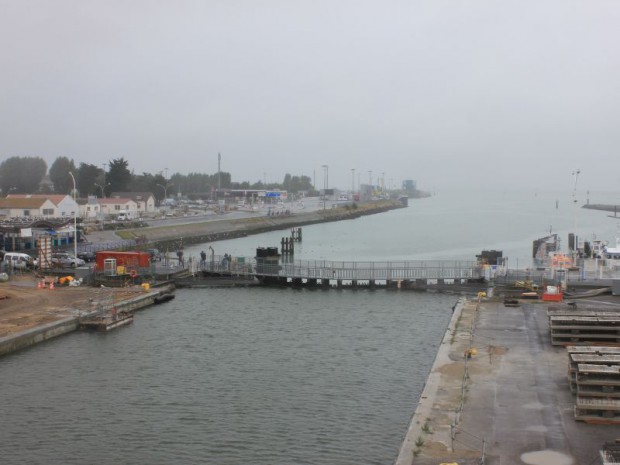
33,336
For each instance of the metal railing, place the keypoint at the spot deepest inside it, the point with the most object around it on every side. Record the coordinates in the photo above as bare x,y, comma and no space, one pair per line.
359,271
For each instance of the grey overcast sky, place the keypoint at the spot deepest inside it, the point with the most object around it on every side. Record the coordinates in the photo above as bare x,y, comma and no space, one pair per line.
504,93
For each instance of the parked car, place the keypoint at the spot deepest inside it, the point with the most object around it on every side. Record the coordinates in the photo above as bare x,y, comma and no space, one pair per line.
87,256
124,216
66,260
19,261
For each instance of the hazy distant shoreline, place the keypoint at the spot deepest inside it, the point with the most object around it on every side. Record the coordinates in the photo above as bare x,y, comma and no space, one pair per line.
603,207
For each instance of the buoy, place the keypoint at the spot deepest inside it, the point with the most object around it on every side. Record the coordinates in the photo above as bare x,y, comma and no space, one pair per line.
51,285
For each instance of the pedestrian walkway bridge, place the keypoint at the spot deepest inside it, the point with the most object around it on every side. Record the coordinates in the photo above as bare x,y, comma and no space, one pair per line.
347,273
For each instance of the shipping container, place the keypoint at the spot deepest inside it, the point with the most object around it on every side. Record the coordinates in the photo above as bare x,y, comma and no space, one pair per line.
127,259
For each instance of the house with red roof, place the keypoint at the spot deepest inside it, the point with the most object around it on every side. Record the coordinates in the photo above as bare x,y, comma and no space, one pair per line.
65,206
145,201
114,206
22,207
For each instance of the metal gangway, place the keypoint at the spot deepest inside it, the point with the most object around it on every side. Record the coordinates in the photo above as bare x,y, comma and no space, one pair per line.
350,271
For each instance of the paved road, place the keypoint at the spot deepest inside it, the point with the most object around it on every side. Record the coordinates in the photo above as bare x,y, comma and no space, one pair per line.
308,204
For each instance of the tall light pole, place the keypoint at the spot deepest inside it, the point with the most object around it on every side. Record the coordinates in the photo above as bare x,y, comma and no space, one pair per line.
102,191
219,183
75,207
104,184
165,188
352,181
575,241
325,184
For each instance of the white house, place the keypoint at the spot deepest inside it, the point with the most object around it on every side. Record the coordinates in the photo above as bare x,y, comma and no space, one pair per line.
114,206
90,208
145,201
65,206
28,208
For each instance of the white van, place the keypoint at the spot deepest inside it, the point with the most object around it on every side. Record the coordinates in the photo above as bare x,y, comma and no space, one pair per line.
19,261
124,216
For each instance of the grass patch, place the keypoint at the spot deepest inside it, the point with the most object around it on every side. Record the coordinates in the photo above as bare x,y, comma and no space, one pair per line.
426,428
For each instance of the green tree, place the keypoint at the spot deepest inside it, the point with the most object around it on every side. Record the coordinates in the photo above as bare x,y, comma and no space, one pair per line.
296,183
22,175
147,182
60,177
119,176
89,179
287,183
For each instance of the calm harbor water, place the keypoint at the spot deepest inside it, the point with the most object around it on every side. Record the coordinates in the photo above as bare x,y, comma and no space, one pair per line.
269,376
449,225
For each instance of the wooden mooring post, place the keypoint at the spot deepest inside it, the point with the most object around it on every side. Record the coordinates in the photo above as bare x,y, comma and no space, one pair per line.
288,243
288,247
296,235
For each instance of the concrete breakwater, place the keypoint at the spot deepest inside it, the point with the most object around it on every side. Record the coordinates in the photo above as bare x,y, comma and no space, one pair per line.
420,425
210,231
602,207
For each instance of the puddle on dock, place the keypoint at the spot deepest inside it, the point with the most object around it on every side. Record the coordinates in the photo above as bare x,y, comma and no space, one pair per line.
546,457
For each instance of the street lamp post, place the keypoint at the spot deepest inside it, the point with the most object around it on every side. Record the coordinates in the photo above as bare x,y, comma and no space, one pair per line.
104,183
325,184
102,189
165,188
74,218
352,181
575,239
219,181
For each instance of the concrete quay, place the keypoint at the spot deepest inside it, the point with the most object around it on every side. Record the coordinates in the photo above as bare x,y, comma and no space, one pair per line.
227,227
509,401
35,317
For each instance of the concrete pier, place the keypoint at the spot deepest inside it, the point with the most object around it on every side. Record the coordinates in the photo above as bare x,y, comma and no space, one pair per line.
44,332
499,389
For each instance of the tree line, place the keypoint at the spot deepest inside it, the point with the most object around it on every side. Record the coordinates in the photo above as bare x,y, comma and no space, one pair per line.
29,175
